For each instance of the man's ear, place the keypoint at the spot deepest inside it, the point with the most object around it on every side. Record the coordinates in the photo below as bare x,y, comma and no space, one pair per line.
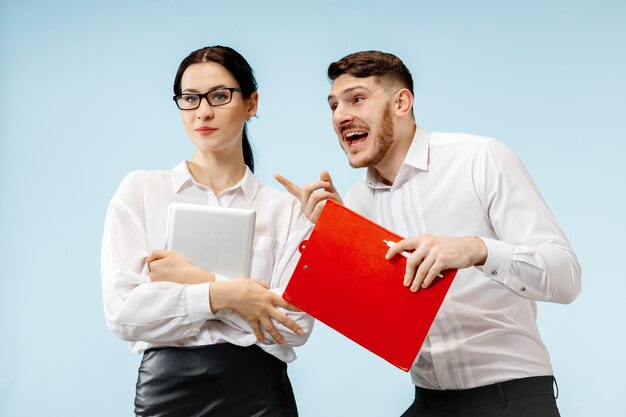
404,103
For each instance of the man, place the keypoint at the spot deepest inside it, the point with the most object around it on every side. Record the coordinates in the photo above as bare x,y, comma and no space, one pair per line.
465,202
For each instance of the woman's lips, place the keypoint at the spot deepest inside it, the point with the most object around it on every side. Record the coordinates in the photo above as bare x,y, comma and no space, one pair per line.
205,131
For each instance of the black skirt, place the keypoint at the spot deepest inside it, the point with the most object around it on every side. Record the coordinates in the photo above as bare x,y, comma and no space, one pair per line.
215,380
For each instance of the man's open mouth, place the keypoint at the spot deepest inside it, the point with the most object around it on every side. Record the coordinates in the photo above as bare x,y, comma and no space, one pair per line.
355,137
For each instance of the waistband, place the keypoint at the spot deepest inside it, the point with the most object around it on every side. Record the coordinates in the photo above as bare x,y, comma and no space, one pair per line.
500,392
220,380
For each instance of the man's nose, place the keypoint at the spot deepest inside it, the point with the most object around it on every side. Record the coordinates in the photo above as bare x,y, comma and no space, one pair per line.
341,116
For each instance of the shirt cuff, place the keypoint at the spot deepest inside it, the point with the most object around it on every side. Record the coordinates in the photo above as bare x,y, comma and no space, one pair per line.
219,277
198,302
498,261
220,315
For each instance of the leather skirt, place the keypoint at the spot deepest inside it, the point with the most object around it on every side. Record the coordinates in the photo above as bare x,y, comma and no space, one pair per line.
215,380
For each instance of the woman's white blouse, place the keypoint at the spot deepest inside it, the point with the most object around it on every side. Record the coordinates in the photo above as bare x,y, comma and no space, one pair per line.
156,314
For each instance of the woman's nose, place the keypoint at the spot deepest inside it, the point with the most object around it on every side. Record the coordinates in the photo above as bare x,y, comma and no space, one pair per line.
204,111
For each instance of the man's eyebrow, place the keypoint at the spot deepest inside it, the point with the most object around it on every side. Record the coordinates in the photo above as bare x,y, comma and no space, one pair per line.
348,91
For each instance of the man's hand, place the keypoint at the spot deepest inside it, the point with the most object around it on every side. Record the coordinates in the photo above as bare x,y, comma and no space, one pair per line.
433,254
171,266
312,196
252,300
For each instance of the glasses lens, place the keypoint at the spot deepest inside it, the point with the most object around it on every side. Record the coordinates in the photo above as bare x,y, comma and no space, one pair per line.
219,97
188,101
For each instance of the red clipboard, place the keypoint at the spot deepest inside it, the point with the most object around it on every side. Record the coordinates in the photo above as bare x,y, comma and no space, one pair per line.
343,280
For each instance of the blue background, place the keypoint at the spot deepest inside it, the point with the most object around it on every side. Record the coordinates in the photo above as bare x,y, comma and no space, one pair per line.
85,98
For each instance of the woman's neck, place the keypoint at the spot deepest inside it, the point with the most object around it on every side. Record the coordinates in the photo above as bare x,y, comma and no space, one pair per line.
218,172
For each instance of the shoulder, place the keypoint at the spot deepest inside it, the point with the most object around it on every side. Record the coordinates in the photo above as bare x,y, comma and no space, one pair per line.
281,207
273,196
359,197
136,182
357,188
467,146
462,141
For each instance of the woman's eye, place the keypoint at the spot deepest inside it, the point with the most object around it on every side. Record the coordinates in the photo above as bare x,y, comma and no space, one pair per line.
358,99
190,99
219,96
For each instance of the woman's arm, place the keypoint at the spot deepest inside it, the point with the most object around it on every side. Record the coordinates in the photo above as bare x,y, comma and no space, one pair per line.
250,299
137,308
166,265
248,305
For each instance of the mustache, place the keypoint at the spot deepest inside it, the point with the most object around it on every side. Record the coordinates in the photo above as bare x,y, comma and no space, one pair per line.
353,126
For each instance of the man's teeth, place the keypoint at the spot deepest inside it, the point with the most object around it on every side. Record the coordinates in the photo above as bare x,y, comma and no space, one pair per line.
351,134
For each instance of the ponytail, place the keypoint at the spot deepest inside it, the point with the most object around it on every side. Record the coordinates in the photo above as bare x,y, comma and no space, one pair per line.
248,156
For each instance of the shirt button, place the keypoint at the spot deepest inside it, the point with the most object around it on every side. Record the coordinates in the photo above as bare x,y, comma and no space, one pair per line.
522,289
494,272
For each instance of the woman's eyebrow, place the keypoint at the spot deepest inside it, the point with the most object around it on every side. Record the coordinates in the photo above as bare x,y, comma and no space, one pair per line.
193,90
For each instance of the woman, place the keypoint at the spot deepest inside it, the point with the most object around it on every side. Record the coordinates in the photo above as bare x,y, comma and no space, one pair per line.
211,346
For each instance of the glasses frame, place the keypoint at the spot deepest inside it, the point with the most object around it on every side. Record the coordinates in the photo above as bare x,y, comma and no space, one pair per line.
206,97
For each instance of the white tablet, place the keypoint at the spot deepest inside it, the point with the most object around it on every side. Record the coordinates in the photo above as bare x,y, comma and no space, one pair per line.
216,239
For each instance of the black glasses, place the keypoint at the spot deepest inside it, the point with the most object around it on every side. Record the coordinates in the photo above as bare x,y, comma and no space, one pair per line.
215,98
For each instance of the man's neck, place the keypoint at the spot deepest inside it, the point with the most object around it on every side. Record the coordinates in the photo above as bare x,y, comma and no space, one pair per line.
389,167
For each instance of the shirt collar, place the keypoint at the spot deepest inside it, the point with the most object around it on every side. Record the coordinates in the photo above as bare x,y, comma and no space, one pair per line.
181,178
416,157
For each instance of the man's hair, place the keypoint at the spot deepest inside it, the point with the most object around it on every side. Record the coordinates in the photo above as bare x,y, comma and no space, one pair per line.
372,63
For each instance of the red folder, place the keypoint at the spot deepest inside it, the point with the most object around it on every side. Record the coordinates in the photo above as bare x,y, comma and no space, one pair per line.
344,280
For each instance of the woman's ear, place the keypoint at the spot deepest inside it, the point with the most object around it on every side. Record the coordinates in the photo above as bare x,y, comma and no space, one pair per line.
404,103
253,104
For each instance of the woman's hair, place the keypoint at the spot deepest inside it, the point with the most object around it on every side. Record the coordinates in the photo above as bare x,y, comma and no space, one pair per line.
238,67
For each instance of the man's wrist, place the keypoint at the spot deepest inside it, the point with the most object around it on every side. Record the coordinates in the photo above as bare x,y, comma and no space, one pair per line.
479,251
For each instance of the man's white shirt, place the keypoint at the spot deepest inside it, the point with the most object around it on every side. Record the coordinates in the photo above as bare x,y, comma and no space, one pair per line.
455,184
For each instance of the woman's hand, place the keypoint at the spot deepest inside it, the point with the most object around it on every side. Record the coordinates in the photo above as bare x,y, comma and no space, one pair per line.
173,267
256,304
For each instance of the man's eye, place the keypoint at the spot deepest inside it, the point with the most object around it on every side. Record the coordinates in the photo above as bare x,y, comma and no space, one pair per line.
333,106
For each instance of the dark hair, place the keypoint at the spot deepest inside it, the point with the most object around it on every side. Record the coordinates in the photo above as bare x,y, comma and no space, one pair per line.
238,67
372,63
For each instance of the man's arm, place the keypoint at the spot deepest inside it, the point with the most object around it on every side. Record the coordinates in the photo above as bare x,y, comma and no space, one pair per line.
433,254
530,253
313,196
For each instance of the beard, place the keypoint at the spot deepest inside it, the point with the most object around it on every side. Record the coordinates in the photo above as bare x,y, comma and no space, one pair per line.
381,145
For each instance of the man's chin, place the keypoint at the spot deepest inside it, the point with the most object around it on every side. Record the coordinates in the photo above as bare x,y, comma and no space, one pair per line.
356,162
